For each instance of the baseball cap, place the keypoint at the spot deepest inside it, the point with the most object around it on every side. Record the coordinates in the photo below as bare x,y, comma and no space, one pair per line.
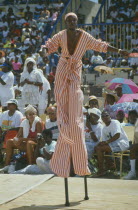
12,101
95,111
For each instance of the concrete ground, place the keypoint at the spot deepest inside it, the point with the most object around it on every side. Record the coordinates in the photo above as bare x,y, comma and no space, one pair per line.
104,194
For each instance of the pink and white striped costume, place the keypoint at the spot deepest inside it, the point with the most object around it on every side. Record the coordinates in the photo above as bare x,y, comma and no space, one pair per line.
69,99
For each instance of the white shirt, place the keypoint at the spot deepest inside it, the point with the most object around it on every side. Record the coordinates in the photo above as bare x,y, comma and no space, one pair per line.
97,130
49,148
7,122
34,76
97,59
53,127
114,128
8,78
46,87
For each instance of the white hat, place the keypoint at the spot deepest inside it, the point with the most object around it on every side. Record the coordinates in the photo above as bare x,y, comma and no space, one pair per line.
12,101
95,111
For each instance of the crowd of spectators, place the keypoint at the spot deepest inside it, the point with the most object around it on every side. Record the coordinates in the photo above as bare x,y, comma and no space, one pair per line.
29,77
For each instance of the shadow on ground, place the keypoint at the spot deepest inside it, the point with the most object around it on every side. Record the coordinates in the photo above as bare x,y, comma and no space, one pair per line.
60,206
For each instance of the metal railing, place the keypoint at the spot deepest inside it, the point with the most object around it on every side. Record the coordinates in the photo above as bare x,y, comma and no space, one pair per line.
119,35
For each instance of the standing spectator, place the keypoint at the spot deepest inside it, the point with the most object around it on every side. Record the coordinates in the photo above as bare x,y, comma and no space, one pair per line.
44,97
32,82
6,85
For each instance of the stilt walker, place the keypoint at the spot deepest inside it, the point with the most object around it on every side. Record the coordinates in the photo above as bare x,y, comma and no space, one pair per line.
69,98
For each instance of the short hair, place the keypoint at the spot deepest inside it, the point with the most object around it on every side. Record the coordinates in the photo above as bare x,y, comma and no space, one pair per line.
133,112
30,108
47,132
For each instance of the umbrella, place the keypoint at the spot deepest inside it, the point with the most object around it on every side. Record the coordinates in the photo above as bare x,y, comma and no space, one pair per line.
126,107
134,55
128,86
128,98
104,69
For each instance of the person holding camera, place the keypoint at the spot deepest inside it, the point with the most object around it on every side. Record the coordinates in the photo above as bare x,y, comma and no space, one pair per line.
43,152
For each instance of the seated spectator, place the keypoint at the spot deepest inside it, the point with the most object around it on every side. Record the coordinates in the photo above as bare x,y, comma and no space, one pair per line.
124,64
132,117
51,123
133,155
93,102
110,100
86,66
28,12
109,62
26,137
45,13
93,131
54,16
114,139
10,119
44,150
118,90
120,116
21,12
6,85
96,59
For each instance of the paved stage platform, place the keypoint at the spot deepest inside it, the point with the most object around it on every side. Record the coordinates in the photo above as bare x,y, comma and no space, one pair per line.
104,194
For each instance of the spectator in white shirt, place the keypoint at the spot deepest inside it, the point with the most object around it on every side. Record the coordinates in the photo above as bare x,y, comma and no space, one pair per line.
93,130
31,81
6,85
114,139
51,123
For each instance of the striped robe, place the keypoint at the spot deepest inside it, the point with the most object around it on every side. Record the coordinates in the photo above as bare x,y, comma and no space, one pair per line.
69,99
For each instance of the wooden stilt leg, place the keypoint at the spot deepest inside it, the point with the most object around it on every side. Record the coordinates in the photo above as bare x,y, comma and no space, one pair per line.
66,192
86,189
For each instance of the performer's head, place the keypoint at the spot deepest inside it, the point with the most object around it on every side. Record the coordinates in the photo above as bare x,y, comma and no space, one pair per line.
71,20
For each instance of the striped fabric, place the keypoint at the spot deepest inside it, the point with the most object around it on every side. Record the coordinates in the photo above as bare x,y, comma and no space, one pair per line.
69,99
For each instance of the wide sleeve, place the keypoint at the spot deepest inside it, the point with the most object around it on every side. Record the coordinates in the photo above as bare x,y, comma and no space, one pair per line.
53,44
96,44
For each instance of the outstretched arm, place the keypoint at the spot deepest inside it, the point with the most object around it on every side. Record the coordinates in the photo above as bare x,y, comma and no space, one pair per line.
119,51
